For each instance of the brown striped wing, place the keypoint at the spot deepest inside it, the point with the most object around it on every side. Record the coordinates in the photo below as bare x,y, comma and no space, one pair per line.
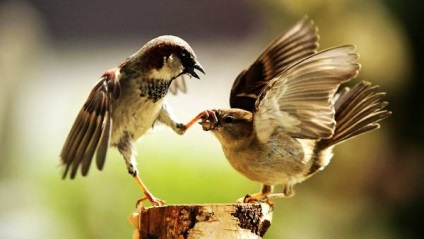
295,44
299,101
91,130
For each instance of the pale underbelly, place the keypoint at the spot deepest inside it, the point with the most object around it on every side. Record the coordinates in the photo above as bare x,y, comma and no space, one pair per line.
264,170
135,118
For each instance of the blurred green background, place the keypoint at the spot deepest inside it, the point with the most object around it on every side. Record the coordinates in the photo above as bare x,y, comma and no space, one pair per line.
52,53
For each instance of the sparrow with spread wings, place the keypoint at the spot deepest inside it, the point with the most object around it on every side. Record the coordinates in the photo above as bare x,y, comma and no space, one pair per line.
125,103
285,116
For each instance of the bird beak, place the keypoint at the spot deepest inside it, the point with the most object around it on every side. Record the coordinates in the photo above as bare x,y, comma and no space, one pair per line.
198,67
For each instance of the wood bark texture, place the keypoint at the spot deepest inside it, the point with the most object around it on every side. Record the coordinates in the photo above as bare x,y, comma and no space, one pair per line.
245,221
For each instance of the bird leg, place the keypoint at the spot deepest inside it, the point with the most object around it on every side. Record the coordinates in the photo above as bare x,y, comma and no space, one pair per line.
148,195
126,148
193,121
266,194
166,117
262,196
206,116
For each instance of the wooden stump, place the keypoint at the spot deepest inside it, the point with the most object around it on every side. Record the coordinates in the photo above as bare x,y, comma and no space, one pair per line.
202,221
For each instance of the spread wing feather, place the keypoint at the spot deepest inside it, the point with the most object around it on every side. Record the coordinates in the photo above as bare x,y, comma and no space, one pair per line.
297,43
299,101
91,131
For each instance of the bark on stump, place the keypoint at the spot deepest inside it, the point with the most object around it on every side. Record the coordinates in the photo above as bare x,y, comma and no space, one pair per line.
202,221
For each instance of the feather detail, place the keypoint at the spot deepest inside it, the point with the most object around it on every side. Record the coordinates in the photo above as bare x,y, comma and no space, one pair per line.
92,128
358,110
297,43
300,100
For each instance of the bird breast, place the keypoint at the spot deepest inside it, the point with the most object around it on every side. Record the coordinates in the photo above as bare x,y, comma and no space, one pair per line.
154,89
279,161
136,110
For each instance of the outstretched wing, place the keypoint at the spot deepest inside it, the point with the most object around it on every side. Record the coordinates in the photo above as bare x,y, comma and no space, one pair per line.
297,43
299,101
92,128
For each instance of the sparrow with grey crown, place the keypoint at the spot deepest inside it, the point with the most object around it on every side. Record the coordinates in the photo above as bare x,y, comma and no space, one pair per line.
285,117
126,102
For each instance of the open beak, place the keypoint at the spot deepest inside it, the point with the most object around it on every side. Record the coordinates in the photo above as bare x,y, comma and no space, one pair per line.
198,67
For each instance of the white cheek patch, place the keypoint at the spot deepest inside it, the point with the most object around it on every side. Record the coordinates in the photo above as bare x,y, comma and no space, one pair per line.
171,68
164,73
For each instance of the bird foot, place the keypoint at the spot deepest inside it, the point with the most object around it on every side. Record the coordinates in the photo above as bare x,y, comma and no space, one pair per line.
156,202
180,128
204,116
209,119
255,198
148,196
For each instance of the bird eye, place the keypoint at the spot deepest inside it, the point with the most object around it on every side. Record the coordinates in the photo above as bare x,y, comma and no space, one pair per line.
228,119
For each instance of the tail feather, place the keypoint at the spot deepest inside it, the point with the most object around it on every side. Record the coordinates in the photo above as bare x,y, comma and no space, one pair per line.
358,110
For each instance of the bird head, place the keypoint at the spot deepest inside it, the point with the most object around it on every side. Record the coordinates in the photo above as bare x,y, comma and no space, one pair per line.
168,57
228,125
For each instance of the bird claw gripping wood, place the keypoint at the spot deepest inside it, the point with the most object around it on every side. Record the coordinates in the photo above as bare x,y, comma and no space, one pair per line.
156,202
256,198
209,119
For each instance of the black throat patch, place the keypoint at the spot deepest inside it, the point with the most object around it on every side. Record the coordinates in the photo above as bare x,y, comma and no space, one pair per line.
154,89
